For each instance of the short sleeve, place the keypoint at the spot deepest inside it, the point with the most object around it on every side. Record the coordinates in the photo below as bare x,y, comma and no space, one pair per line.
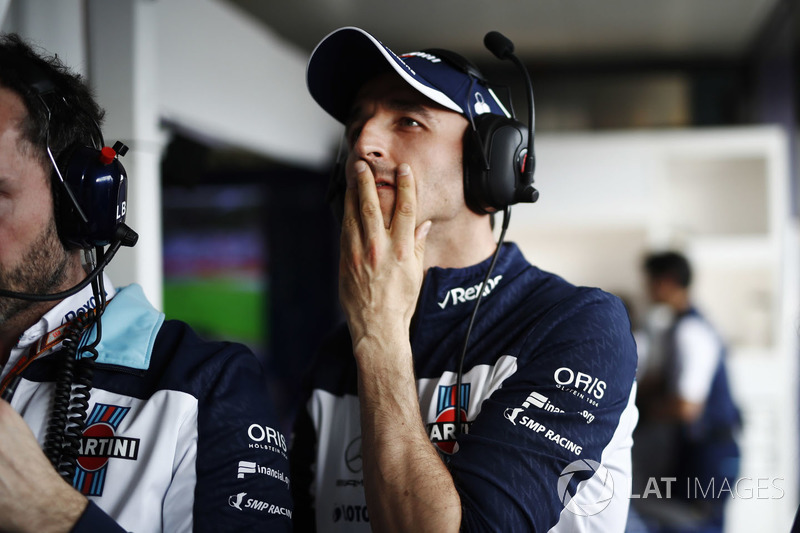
562,421
242,462
697,354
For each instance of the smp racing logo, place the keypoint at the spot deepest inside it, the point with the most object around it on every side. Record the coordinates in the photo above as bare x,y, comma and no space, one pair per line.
238,502
99,443
443,432
536,425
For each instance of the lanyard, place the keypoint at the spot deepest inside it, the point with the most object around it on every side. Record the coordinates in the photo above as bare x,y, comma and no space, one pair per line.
9,384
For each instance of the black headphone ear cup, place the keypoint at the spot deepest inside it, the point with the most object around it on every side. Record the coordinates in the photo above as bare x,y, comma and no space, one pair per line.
98,185
494,155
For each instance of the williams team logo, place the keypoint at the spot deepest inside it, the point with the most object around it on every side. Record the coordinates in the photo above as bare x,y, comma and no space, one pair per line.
443,432
100,443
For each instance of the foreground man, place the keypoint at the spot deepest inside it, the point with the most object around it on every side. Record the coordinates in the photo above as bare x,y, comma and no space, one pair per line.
544,394
145,427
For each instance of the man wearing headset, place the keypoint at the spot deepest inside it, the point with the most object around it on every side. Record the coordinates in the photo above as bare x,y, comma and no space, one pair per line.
177,433
544,396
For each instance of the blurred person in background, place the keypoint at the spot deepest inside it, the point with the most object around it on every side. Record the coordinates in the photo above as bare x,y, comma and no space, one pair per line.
689,422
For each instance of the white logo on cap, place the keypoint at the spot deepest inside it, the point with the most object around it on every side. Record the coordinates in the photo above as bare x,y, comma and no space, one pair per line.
430,57
481,106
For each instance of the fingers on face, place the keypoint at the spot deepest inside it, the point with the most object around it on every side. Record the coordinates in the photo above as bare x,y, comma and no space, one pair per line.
369,208
405,213
363,219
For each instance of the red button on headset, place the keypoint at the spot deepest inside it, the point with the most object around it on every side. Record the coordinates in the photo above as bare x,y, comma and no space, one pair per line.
107,155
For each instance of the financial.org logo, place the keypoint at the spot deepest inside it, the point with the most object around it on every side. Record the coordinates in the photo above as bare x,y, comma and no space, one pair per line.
592,494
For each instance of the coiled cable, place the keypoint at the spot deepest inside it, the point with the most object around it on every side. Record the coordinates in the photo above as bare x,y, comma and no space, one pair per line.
73,385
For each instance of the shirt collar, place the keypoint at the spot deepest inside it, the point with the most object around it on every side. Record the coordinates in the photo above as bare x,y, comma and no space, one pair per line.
452,291
63,312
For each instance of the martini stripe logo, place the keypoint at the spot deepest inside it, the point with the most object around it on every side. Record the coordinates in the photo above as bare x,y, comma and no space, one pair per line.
447,397
100,443
443,432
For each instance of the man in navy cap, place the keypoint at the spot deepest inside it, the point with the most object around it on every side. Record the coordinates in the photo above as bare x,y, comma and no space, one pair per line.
418,416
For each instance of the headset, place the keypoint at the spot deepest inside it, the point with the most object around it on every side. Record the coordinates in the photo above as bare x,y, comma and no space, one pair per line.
499,159
92,188
502,177
89,187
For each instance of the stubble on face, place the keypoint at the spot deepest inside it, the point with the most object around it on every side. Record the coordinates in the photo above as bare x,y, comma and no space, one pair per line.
43,270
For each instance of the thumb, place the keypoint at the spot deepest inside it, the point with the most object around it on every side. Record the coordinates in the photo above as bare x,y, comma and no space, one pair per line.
420,237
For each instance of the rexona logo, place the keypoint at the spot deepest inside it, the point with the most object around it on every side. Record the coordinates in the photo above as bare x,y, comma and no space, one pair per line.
460,294
443,432
580,384
86,307
98,445
237,501
592,484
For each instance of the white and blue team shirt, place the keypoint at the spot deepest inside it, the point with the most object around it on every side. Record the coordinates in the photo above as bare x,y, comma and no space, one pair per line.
180,434
547,393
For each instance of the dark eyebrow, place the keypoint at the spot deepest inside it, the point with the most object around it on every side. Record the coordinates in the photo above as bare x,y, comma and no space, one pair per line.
410,107
395,104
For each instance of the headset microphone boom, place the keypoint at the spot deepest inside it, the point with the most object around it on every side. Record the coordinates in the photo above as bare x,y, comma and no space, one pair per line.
502,47
523,164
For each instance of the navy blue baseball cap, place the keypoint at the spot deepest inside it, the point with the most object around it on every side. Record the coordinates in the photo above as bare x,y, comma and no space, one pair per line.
349,57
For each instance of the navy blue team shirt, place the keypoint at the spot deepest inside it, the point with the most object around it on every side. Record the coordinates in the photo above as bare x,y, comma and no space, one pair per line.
547,399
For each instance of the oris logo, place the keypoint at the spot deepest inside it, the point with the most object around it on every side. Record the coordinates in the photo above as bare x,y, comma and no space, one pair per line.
266,437
566,377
